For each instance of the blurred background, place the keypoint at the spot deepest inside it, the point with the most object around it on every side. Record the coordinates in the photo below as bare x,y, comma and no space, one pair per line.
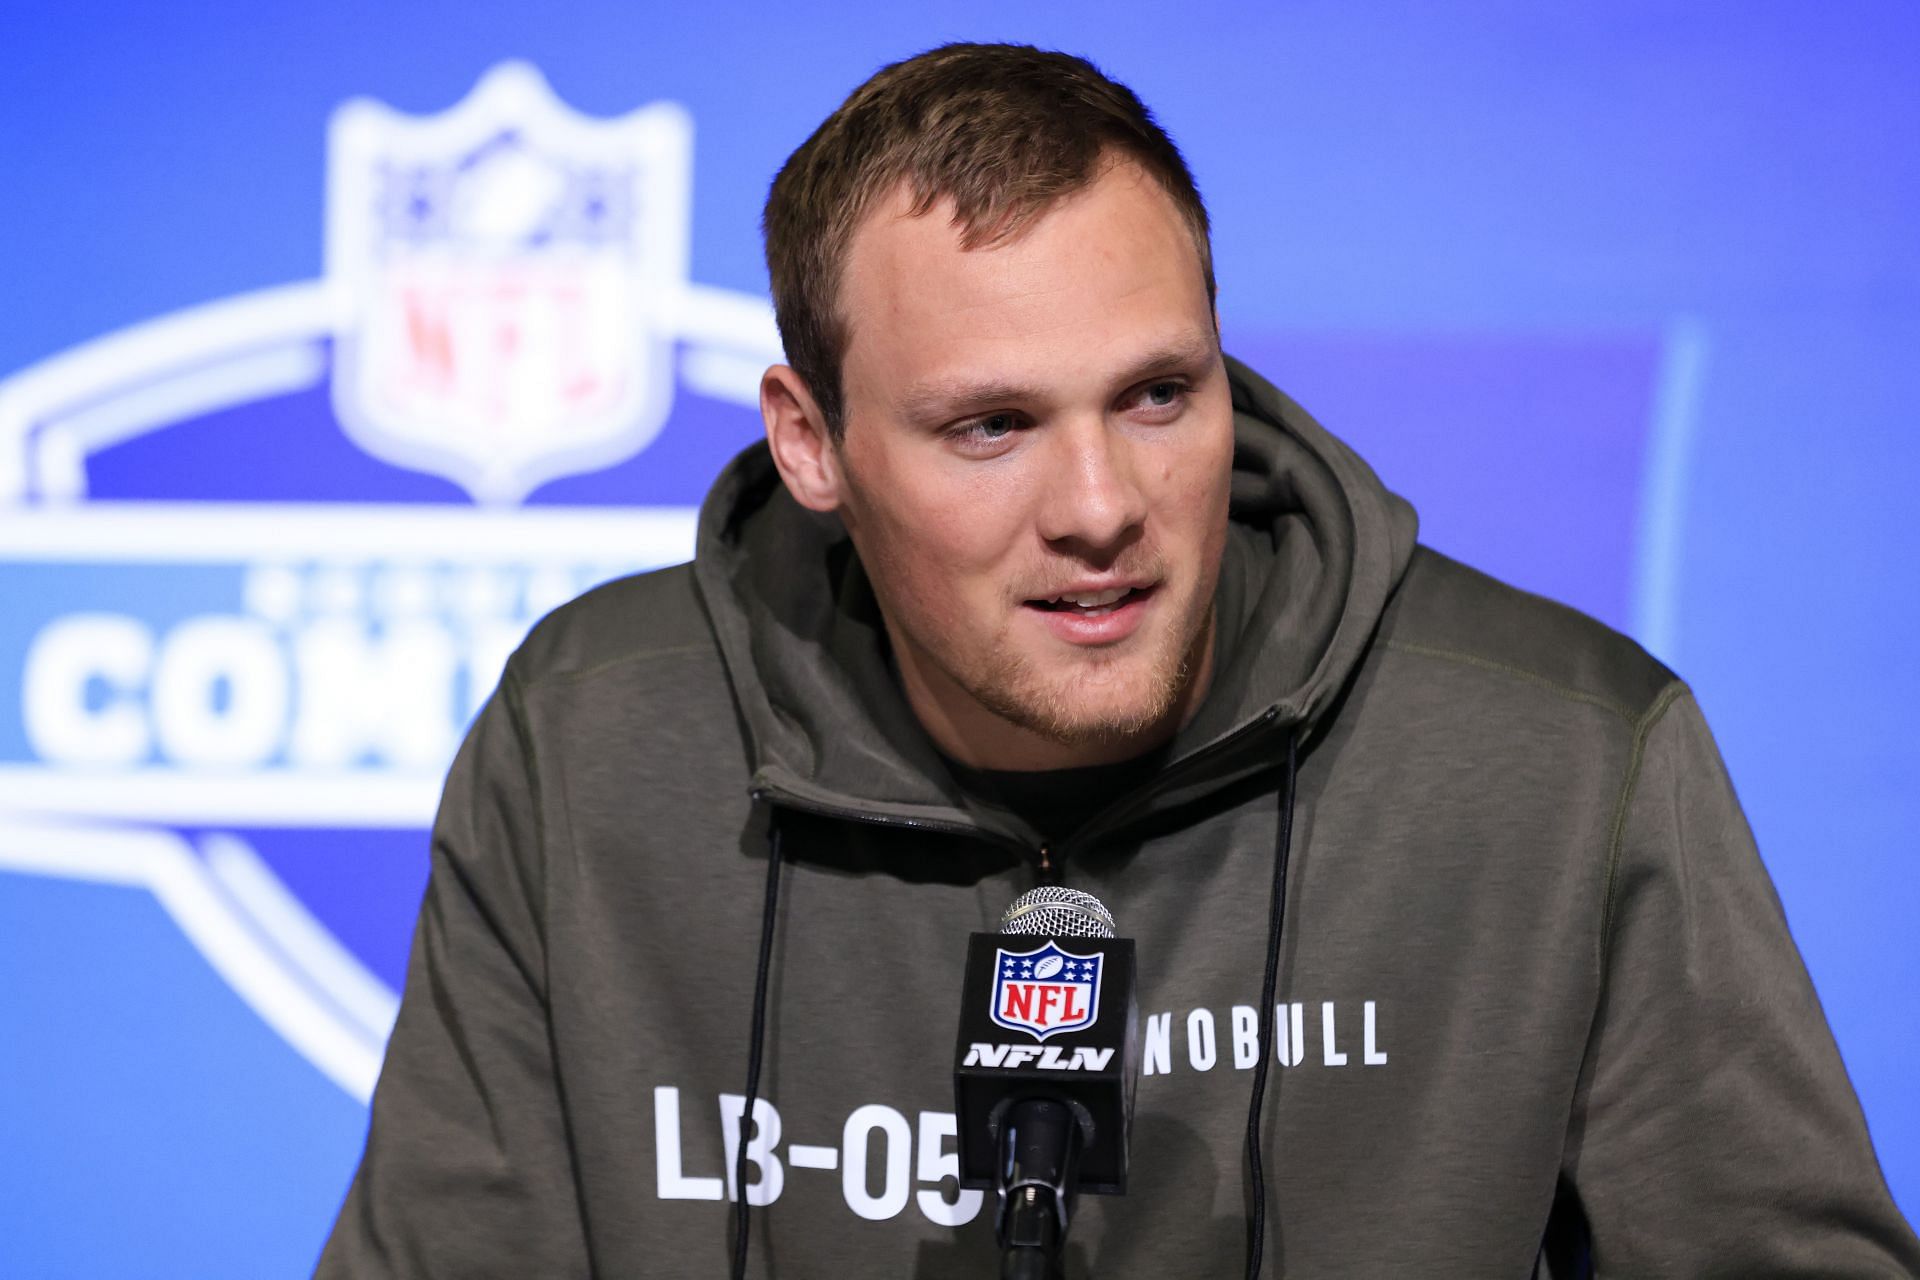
341,341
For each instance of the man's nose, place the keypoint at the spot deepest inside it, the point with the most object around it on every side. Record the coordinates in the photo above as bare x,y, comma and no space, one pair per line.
1093,502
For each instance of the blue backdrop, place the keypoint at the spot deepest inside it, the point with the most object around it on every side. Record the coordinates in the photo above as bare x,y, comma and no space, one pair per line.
1625,297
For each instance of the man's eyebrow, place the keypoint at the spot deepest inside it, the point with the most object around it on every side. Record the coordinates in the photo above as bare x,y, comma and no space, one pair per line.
1187,350
941,399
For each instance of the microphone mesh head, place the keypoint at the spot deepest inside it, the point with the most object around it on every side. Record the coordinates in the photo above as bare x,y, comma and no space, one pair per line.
1055,912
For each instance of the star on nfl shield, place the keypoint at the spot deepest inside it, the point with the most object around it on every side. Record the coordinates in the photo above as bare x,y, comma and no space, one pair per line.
506,275
1045,992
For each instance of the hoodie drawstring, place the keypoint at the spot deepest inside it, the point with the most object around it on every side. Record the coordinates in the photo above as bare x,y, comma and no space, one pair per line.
1276,918
754,1045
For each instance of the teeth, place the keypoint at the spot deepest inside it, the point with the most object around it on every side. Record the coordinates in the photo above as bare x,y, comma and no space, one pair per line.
1095,599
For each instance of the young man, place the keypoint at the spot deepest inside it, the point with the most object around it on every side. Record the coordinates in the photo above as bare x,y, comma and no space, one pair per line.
1030,583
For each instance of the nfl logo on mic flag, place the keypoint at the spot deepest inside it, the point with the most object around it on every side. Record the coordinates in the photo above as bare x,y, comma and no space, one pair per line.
1045,991
1078,1042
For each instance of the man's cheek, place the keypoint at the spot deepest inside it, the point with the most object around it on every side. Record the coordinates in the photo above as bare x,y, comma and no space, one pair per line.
938,588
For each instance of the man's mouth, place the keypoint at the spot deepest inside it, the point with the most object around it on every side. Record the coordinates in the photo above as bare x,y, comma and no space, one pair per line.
1091,604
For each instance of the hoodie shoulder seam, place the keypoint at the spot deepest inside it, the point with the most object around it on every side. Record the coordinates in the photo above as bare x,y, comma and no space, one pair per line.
1642,730
625,659
1621,709
513,693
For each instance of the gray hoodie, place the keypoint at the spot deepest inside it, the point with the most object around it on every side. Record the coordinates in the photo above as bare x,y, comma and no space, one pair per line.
1532,965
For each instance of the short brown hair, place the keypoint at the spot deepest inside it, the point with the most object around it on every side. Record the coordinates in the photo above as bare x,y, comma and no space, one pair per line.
1003,130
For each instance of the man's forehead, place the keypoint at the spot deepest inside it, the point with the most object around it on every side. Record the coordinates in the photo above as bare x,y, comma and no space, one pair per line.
940,227
1114,264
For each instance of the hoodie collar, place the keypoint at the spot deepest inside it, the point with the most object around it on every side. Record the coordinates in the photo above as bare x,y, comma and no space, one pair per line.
1316,546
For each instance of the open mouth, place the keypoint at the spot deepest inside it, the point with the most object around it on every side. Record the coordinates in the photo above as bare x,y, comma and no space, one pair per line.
1092,604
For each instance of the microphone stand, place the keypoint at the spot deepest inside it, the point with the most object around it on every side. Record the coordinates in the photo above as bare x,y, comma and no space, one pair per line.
1039,1157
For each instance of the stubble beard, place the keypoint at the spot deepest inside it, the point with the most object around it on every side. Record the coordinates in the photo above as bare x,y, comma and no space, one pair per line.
1009,685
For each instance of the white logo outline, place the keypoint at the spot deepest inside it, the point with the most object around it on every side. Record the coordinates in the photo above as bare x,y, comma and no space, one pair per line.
617,330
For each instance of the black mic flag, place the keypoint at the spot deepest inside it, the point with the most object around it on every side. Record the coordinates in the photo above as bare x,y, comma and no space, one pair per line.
1045,1066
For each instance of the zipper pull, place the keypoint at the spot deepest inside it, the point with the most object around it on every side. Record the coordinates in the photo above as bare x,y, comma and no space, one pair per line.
1047,875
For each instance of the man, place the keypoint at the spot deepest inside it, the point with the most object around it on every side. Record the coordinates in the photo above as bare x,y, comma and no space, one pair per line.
1031,583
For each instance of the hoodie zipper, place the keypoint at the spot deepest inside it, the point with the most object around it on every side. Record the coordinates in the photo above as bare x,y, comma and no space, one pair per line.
1126,812
848,813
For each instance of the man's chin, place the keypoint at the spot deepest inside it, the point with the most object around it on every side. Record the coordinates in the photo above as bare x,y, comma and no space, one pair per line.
1074,712
1103,731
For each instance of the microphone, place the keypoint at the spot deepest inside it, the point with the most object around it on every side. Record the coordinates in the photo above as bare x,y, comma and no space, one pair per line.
1044,1069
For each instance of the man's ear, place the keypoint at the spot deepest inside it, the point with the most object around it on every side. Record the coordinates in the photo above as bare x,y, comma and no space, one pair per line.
797,434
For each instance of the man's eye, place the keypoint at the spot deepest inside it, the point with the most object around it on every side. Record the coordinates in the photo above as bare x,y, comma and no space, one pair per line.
1161,396
995,426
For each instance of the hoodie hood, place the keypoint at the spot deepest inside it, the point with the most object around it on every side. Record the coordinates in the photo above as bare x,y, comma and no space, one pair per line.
1315,549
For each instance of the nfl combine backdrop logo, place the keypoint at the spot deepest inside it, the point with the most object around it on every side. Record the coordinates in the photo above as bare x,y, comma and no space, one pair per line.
509,273
265,558
1045,992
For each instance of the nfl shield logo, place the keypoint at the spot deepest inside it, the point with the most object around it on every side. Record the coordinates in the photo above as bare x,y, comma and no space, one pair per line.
1045,992
506,275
